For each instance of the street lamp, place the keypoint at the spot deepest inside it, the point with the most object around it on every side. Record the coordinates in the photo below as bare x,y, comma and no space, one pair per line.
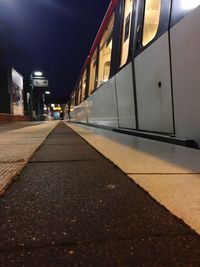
37,80
47,93
38,73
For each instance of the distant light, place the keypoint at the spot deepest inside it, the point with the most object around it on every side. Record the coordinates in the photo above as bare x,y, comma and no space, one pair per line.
57,109
189,4
38,73
45,108
52,105
47,93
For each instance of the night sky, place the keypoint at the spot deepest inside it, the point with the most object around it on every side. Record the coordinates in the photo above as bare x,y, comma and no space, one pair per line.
54,36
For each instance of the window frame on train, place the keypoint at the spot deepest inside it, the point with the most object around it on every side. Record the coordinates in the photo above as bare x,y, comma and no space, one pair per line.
162,27
126,38
84,85
119,35
108,40
150,32
93,72
79,91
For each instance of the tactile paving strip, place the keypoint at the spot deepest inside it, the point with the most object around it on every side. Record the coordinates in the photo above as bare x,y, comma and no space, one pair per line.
18,142
16,153
7,172
21,140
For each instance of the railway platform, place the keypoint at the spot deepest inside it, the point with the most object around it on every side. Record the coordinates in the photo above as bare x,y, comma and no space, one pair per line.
90,197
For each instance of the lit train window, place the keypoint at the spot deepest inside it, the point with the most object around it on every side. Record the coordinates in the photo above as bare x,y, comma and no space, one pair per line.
93,66
79,93
128,9
106,71
151,20
84,84
76,97
73,99
105,53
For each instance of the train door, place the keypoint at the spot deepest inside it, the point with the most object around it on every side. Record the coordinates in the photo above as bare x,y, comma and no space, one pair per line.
124,77
152,67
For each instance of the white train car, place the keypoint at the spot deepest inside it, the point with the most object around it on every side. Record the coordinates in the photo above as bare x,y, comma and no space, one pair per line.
142,75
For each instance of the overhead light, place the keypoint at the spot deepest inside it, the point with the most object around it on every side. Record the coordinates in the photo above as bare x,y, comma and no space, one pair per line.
38,73
47,92
189,4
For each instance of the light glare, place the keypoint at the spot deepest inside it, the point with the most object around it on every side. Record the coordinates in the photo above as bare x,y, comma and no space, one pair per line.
38,73
189,4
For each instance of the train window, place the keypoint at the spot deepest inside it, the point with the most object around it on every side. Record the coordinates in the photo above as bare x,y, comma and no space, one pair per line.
151,20
128,10
93,67
105,53
76,97
72,100
84,85
79,93
106,71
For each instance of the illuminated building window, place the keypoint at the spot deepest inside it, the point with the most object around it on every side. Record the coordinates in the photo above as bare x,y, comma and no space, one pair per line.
84,85
93,67
105,52
151,20
128,10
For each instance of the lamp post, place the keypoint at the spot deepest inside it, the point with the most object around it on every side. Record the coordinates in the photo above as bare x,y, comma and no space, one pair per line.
37,83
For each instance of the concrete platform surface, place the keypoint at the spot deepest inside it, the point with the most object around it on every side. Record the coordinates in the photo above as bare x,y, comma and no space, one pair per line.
18,142
87,212
169,173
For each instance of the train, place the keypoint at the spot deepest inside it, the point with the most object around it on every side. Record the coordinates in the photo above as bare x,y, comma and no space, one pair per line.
142,74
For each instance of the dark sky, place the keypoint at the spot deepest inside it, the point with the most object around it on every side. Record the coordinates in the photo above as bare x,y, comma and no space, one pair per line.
54,36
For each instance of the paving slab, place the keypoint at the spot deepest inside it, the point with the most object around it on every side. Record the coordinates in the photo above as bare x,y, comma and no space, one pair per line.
175,251
12,136
24,140
65,153
179,193
63,130
62,135
17,153
139,155
7,173
18,142
21,125
169,173
68,140
87,213
76,202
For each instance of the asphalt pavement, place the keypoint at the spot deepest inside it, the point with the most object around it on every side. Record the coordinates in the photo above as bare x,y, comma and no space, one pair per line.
70,206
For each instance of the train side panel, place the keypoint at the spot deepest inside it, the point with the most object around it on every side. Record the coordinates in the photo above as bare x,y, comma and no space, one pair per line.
125,98
79,113
185,45
102,105
153,84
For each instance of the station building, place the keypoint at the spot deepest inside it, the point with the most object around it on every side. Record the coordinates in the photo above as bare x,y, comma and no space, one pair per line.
11,95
